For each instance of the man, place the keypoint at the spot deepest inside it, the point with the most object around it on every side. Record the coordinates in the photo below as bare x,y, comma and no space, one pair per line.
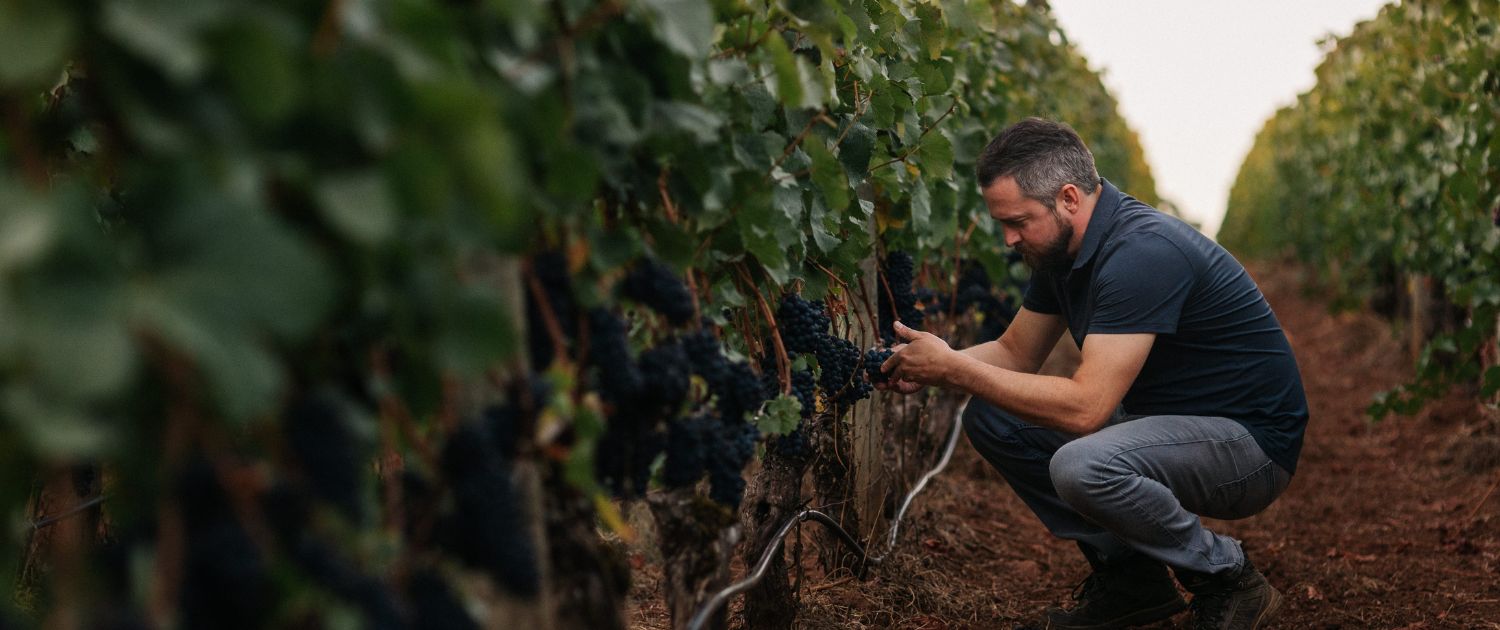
1187,400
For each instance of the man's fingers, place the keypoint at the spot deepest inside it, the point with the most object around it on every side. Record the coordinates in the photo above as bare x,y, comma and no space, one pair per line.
905,333
891,363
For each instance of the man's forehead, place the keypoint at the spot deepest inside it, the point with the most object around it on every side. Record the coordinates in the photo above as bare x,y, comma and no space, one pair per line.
1004,198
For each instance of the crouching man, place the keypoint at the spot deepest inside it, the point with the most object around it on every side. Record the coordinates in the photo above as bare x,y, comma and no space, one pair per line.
1187,400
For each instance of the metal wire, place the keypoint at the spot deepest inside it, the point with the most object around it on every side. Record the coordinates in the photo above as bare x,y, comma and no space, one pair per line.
43,522
722,597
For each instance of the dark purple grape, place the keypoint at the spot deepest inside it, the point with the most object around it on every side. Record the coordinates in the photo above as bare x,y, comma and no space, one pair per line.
327,452
657,286
618,377
873,360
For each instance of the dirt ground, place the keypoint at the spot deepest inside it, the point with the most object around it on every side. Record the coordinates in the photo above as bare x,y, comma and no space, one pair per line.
1390,525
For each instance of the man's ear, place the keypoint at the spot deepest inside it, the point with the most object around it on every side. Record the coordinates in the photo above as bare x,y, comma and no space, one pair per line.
1069,198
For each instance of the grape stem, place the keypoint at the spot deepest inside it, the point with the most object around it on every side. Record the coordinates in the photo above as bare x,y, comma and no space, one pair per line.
783,364
549,317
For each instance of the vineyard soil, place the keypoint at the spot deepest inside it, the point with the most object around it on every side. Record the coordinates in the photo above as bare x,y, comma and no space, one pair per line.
1394,525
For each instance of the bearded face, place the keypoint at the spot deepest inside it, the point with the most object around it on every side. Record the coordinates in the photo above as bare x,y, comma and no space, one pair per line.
1053,254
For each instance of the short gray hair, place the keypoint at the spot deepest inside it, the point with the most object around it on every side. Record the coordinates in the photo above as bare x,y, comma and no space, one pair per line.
1042,156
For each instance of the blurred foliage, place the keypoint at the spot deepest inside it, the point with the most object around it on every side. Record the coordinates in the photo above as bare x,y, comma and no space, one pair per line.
1388,166
209,210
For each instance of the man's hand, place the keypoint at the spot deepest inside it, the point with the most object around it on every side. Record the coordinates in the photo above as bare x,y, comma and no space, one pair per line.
924,359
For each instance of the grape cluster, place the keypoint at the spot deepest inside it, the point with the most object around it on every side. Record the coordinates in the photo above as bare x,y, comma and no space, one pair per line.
736,388
975,291
225,584
287,513
898,273
839,360
688,442
515,417
666,376
793,446
486,528
326,451
734,445
657,286
874,358
708,360
609,351
804,387
551,270
802,323
741,395
623,456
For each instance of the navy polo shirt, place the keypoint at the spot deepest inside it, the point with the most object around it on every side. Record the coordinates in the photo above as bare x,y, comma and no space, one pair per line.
1219,350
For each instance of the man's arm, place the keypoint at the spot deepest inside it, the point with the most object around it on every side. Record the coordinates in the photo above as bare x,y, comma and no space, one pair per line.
1025,344
1078,405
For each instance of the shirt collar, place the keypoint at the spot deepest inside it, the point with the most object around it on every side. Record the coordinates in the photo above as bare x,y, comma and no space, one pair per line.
1104,214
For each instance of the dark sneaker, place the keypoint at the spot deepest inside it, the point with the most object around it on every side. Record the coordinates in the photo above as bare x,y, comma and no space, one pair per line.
1120,595
1240,601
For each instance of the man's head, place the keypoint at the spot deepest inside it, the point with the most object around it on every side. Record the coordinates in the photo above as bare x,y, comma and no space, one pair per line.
1036,177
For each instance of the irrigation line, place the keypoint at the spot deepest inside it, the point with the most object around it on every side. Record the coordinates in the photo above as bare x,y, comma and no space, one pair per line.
722,597
43,522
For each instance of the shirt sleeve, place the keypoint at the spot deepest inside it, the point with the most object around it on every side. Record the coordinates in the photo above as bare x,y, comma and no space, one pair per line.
1142,287
1041,295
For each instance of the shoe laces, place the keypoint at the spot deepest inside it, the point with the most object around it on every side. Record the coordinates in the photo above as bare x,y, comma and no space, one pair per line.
1089,587
1208,610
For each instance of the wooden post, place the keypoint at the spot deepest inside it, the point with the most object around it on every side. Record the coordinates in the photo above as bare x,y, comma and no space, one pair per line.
868,420
1419,318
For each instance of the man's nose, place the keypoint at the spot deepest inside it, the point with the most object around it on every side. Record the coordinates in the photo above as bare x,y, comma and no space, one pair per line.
1012,237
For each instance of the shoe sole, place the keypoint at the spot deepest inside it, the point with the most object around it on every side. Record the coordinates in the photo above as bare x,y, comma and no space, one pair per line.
1273,605
1138,618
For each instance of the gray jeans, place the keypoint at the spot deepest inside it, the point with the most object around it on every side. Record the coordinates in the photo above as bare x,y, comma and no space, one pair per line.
1138,484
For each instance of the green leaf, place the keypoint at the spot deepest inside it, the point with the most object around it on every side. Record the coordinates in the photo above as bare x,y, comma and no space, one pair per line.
827,174
164,32
934,31
762,106
35,38
1491,382
493,176
28,227
77,337
476,333
817,219
773,233
685,26
883,106
959,20
261,65
702,124
788,219
242,378
855,151
782,415
52,429
359,207
935,76
788,77
937,155
921,207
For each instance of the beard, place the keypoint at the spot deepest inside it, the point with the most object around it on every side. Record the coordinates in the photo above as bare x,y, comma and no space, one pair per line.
1052,255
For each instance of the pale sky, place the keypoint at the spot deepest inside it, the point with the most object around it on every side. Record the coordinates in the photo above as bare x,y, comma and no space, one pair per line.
1197,79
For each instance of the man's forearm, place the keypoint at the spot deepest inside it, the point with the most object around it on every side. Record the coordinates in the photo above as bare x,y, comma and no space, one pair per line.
1050,401
996,354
